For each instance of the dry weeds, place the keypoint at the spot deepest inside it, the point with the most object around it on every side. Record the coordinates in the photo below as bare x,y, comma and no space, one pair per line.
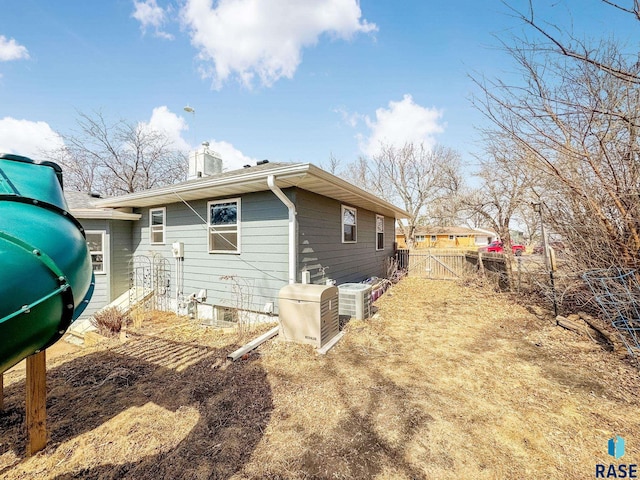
446,381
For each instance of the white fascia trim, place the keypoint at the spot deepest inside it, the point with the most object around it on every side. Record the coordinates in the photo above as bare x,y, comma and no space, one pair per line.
103,214
200,184
338,182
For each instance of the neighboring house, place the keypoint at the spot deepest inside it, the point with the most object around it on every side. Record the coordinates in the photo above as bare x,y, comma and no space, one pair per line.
485,237
109,236
245,233
446,237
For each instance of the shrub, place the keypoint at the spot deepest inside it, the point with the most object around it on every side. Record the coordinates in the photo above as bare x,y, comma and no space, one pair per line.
110,321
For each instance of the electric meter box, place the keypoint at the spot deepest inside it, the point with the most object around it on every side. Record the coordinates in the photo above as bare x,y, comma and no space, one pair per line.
177,249
308,313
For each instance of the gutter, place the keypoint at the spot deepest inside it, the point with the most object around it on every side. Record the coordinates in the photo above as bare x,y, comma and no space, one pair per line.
293,264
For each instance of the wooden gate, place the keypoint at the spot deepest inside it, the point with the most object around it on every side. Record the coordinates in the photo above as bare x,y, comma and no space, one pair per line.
438,264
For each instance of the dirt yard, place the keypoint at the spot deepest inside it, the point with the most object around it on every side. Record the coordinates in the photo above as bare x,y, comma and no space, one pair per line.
446,381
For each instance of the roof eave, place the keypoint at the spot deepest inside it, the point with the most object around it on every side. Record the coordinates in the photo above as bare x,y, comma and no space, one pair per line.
102,214
246,181
286,176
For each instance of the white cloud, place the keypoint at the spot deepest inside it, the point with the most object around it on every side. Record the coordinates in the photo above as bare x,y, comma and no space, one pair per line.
27,138
175,127
351,119
232,158
150,14
404,121
245,38
171,125
11,50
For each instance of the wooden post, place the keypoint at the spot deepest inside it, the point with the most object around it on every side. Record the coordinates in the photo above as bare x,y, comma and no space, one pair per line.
36,402
480,264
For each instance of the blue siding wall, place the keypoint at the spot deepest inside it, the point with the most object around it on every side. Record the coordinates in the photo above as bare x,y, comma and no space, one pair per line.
260,270
117,252
100,296
320,241
121,251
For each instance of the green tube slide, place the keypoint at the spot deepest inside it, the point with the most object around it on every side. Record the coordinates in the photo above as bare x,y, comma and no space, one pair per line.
46,278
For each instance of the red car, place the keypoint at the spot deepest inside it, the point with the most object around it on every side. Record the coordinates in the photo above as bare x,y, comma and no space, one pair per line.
498,247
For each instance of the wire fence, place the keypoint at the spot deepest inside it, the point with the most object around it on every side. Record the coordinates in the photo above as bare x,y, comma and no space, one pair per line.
617,293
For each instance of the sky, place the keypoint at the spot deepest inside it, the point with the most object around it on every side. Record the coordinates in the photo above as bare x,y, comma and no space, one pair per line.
283,80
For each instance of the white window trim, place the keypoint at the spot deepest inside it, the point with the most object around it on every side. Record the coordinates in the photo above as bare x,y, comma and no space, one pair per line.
355,211
105,264
377,232
154,228
238,200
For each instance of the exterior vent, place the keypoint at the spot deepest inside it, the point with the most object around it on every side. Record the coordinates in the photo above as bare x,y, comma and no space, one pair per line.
355,300
308,313
262,162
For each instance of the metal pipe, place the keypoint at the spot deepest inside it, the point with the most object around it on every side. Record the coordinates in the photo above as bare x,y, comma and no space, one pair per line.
293,263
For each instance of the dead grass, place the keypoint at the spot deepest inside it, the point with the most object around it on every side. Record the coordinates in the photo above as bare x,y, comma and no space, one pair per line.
446,382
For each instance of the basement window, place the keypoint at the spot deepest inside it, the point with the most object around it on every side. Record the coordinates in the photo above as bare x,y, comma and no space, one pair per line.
226,315
157,217
379,232
349,225
224,226
95,242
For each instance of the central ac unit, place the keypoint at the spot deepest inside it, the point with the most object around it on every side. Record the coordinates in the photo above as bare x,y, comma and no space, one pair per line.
355,300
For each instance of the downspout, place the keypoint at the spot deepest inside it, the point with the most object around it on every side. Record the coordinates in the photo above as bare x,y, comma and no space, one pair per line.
293,263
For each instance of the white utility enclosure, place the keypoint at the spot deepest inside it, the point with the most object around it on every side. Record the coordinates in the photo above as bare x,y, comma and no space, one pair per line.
308,313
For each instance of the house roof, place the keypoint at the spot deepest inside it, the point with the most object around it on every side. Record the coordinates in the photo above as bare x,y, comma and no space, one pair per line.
254,179
424,230
83,205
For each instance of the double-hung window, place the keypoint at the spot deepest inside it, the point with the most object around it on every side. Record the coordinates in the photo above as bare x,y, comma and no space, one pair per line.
157,223
379,232
95,242
349,225
224,226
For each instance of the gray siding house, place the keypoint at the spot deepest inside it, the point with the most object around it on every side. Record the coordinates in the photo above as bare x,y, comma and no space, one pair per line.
109,235
236,238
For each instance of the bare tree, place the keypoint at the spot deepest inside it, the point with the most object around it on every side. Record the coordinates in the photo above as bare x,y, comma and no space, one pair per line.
118,158
413,176
577,116
332,164
568,45
504,189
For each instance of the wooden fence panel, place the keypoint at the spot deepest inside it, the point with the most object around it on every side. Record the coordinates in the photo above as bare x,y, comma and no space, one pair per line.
451,263
431,263
490,265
